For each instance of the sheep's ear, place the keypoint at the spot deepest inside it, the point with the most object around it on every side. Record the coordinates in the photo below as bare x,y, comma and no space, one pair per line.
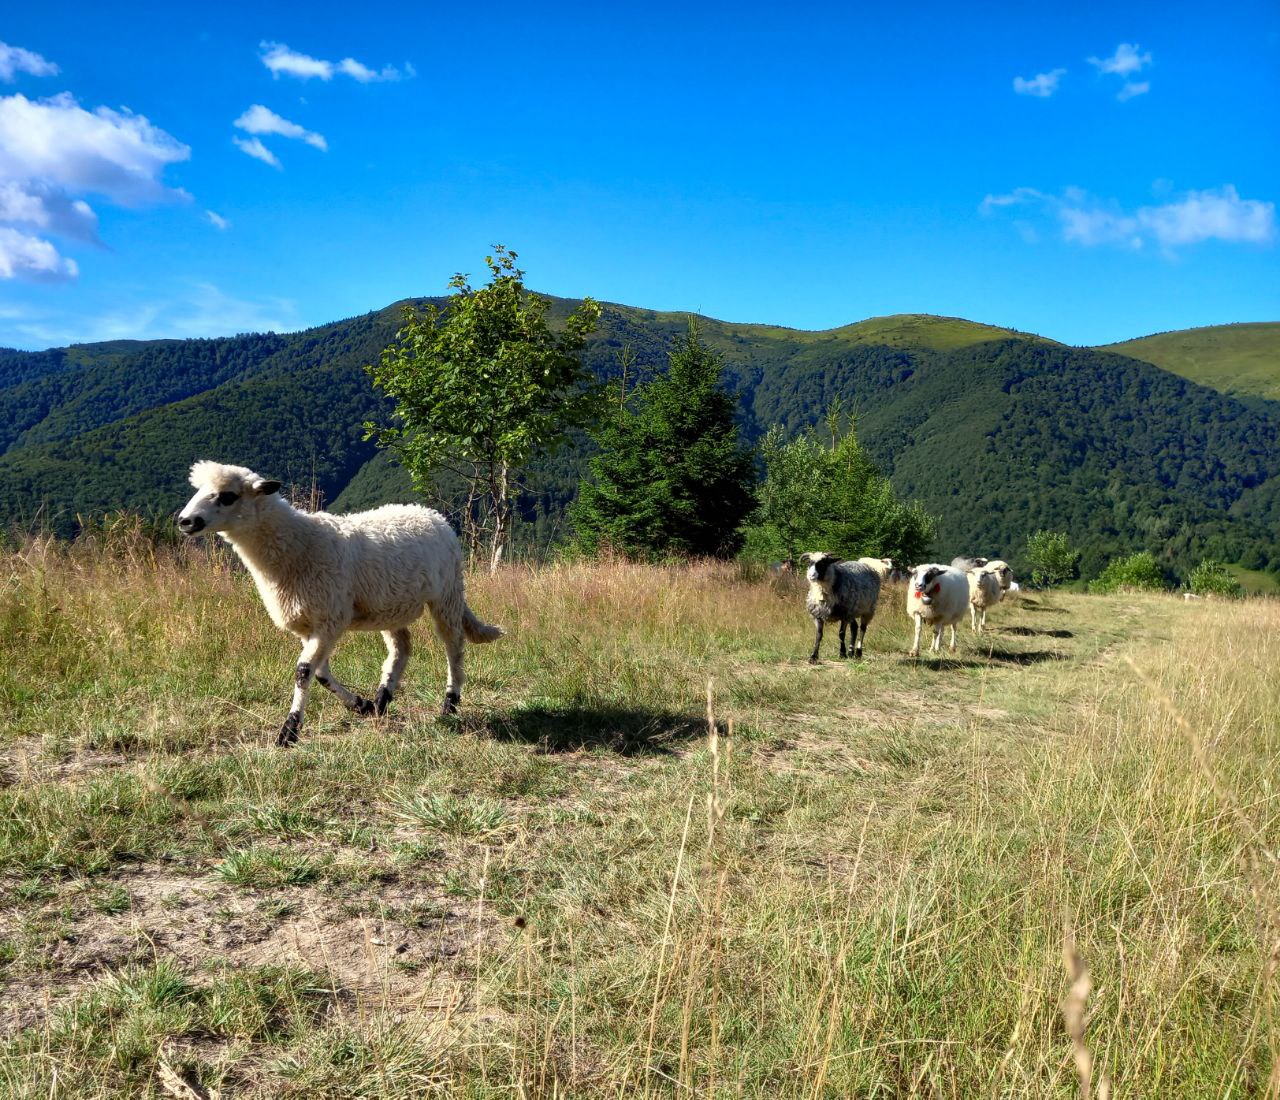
265,488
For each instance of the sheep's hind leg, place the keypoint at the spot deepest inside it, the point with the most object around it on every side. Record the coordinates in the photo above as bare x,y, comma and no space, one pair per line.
315,654
449,627
844,652
859,638
915,644
398,650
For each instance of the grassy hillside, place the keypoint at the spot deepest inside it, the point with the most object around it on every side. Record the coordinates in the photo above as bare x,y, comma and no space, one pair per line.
1237,359
538,899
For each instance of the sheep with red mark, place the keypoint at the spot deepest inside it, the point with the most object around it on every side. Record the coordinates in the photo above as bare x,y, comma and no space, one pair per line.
937,595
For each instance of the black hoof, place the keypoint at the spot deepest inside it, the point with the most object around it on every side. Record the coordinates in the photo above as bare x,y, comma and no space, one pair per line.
450,706
361,706
381,701
289,731
813,660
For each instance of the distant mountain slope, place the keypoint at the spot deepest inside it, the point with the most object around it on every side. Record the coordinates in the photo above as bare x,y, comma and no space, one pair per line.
1236,359
996,432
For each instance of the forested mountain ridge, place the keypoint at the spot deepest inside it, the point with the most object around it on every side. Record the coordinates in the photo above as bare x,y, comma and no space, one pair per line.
996,432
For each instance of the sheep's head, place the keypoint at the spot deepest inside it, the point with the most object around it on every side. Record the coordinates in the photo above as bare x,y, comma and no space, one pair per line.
1001,569
820,565
925,584
225,497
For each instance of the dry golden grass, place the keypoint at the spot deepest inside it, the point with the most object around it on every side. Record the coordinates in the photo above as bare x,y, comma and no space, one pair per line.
856,885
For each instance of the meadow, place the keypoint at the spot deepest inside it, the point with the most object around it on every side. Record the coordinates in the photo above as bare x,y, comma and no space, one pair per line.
658,854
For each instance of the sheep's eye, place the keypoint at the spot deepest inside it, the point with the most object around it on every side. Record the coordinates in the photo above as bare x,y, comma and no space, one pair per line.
227,497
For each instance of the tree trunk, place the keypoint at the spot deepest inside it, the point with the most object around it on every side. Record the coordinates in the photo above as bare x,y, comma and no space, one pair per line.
501,520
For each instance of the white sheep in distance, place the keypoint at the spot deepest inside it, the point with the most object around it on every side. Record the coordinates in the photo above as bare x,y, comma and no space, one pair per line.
320,575
1001,569
846,591
938,595
884,567
965,563
984,593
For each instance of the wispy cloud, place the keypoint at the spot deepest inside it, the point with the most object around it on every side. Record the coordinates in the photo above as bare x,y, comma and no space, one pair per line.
15,60
200,310
282,61
52,153
1128,59
217,220
254,148
259,120
1133,88
1042,84
1211,215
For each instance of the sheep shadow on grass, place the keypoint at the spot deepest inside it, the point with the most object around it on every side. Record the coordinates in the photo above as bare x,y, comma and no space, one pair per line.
996,655
1028,631
627,731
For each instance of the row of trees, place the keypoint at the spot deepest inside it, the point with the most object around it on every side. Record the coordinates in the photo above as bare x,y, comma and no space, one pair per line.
483,384
1053,560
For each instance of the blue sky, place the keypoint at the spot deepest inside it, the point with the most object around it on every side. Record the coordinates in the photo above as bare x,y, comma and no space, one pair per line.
1091,173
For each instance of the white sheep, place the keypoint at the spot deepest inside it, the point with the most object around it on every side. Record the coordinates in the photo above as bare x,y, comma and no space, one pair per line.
884,567
936,594
320,575
1001,569
984,593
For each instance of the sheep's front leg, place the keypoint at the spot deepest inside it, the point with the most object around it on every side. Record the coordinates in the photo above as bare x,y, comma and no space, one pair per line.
953,636
353,701
973,618
315,654
859,638
844,652
915,642
936,646
817,641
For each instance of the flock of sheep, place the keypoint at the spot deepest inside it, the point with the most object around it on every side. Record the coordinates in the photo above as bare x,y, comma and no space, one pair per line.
847,592
321,575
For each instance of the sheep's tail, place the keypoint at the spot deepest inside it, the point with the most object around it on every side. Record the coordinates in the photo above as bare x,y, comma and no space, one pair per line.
476,631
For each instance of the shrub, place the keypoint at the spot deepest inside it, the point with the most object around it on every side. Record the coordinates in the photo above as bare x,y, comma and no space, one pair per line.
1210,578
1052,558
1137,571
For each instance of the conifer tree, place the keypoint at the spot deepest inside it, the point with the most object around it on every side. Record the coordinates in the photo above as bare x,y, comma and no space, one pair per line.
671,479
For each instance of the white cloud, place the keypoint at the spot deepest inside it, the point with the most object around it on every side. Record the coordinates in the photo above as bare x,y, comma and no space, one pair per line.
280,59
1126,60
255,148
217,220
1042,84
118,154
53,152
23,256
15,60
1211,215
1132,88
259,120
35,205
